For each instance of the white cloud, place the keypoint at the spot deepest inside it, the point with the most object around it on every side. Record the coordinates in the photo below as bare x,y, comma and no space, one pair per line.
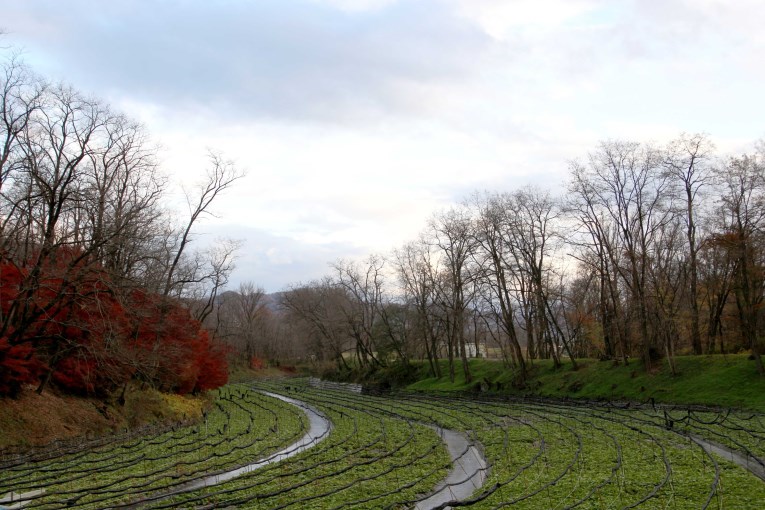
357,119
504,19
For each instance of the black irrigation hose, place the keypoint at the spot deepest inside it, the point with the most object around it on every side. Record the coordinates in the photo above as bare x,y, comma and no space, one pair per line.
667,466
716,481
725,437
614,469
710,421
122,491
239,488
541,449
732,425
63,448
334,400
491,489
200,473
567,409
79,454
204,471
141,456
289,488
60,448
405,406
418,479
656,488
692,416
563,473
169,491
346,397
392,468
492,421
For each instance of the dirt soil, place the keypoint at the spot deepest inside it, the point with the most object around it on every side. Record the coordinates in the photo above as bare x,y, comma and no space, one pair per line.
33,420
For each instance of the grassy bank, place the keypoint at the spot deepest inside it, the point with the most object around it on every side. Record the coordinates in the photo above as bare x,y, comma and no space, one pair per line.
32,419
724,381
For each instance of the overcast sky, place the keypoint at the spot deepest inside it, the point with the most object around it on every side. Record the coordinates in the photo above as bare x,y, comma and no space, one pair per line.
357,119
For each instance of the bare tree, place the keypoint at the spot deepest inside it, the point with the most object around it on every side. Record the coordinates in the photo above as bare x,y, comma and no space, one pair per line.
496,260
667,275
316,308
531,224
363,308
121,193
220,176
687,161
623,183
416,267
21,96
54,149
451,234
743,213
716,267
207,275
598,241
240,320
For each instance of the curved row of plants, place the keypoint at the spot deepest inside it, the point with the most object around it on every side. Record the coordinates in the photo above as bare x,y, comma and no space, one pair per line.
242,427
548,454
373,458
542,454
383,452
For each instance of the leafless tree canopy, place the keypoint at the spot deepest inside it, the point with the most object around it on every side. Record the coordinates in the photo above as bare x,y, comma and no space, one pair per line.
81,194
654,251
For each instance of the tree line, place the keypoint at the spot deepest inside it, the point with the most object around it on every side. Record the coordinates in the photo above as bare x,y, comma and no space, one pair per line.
651,251
97,284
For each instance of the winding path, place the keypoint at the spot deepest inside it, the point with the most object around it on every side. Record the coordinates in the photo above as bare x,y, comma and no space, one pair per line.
468,472
318,430
469,466
751,464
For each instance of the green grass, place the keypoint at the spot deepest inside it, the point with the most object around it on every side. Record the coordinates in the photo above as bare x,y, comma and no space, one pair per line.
715,380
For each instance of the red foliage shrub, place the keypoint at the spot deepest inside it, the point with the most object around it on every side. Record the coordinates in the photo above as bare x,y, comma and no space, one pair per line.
77,375
213,367
67,324
256,363
18,366
165,333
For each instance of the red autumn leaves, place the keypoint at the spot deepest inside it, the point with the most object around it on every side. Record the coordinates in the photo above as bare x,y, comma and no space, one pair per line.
68,324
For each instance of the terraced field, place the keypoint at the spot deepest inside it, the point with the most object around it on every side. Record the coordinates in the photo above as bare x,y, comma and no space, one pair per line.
386,452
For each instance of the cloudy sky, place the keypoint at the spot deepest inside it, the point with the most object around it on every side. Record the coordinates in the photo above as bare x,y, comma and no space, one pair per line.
357,119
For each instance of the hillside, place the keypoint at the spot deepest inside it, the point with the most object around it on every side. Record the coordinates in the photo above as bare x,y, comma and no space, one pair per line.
715,380
33,420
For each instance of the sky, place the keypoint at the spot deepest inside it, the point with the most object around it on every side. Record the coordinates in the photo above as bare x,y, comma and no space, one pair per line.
356,120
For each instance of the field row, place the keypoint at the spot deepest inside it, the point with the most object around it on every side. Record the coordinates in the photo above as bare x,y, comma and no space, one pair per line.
385,452
242,427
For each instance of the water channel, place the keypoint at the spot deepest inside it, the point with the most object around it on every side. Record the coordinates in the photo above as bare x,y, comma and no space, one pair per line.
468,473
